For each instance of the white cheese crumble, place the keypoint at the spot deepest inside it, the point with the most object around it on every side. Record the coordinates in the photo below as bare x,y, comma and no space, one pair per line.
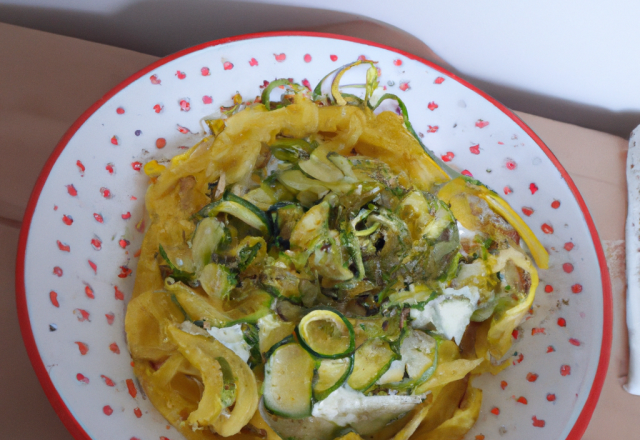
366,414
450,312
232,338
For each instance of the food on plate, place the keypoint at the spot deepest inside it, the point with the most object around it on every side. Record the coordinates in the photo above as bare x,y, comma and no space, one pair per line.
311,272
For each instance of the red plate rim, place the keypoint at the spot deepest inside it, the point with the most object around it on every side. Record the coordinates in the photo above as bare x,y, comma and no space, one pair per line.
51,392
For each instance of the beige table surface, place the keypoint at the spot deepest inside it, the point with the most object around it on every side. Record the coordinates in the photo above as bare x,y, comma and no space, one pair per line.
47,81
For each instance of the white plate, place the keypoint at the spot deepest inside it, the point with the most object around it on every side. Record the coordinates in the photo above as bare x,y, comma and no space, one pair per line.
77,253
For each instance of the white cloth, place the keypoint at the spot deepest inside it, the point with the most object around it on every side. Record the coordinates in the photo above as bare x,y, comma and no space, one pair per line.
633,262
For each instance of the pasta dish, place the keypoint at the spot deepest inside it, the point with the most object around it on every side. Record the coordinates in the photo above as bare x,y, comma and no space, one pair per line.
312,271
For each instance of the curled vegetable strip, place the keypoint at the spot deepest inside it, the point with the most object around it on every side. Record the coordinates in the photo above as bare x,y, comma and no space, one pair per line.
502,326
202,352
473,187
335,85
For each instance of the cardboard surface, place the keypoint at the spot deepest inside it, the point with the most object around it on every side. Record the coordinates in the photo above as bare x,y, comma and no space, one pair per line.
49,80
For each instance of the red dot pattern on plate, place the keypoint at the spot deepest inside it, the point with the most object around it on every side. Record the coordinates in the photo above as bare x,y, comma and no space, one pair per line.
72,190
306,83
109,168
158,108
562,322
481,124
107,410
137,412
574,341
155,80
110,318
123,243
576,288
181,75
82,315
114,140
537,331
124,272
120,111
207,99
532,377
550,349
205,71
466,173
551,397
439,80
555,204
307,58
161,142
522,400
495,410
126,216
475,149
567,267
565,370
88,291
511,164
548,288
333,57
253,62
432,128
568,246
185,106
93,266
67,220
537,422
432,106
507,190
98,217
133,392
57,271
118,294
397,62
183,130
82,378
448,157
53,297
280,57
82,347
106,192
547,228
63,247
114,348
80,166
136,165
503,384
527,211
533,188
404,86
107,381
96,243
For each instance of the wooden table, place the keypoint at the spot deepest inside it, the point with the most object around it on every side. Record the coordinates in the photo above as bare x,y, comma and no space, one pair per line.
47,81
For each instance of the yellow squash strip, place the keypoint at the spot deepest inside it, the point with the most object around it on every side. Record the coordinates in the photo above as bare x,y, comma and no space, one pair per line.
460,185
463,419
420,412
499,336
145,322
171,401
202,352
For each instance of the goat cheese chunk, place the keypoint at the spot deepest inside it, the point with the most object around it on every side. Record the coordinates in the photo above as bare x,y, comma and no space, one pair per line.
233,339
450,312
365,414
